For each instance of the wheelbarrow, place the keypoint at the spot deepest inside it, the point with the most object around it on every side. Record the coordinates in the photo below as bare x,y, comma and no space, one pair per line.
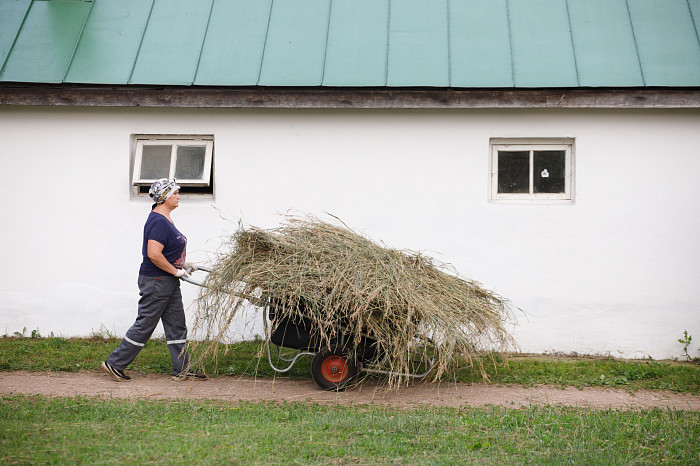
337,362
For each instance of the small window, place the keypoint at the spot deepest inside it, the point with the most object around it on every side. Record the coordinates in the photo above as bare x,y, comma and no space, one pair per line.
523,169
187,159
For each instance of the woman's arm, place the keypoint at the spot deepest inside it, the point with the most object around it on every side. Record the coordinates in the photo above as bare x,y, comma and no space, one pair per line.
155,252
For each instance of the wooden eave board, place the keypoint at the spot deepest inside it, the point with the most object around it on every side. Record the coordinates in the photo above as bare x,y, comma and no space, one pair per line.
334,97
110,42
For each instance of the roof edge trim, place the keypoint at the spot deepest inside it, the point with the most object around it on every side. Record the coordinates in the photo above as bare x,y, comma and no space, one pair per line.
323,97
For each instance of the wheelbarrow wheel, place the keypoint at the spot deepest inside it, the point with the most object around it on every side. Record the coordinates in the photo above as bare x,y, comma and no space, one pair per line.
332,369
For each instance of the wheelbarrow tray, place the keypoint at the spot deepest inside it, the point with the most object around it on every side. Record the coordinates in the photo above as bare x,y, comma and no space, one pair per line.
298,333
335,363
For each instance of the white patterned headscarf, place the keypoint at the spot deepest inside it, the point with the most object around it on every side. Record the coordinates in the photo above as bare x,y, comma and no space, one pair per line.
162,189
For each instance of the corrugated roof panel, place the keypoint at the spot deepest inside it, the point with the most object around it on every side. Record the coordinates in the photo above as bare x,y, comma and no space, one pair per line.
418,41
667,42
543,54
480,44
233,48
296,43
606,53
110,42
695,11
46,43
421,43
172,43
12,13
357,37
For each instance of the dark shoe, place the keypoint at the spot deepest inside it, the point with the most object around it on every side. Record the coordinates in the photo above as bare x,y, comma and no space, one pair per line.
189,375
120,376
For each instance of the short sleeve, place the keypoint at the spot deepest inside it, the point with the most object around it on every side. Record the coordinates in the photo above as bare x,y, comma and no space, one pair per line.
158,231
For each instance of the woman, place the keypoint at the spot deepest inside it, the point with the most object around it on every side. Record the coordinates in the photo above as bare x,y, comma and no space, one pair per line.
164,250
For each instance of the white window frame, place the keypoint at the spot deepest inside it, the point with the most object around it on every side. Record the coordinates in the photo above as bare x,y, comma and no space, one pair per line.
531,145
176,141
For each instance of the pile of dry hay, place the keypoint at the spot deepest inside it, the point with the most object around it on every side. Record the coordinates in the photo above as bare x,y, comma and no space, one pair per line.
329,274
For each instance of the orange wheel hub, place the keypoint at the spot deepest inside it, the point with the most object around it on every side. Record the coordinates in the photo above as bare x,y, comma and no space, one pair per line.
334,369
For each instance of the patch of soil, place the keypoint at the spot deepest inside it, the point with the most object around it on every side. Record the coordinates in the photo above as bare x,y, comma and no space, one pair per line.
98,384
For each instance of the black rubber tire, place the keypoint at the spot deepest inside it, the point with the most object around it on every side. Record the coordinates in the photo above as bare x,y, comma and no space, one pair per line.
332,369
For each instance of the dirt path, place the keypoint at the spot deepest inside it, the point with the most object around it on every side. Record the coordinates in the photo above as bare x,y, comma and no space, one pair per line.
417,395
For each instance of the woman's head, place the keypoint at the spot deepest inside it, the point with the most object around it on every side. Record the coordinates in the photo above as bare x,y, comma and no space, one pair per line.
162,189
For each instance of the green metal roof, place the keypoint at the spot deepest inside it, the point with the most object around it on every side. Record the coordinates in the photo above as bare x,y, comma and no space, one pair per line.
352,43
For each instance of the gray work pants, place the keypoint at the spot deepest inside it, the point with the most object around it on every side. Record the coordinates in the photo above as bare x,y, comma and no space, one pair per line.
161,299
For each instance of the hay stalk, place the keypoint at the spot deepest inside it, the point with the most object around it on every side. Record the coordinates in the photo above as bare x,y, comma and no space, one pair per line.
347,285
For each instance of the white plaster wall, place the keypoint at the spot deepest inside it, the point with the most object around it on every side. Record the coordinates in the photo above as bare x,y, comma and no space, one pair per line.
616,272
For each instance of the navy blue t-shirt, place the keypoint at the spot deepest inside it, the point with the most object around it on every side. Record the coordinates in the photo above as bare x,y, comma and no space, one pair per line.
174,243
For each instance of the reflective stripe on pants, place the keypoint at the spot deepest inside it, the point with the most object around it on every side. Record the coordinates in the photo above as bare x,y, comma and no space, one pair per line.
161,300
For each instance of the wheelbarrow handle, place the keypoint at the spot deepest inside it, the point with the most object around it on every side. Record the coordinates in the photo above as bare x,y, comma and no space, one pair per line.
195,282
253,299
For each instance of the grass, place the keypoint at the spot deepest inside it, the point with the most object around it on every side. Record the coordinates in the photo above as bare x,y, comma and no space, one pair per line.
581,372
62,354
91,430
84,430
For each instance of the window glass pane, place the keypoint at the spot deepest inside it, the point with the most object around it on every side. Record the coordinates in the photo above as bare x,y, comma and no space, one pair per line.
190,162
549,171
513,171
155,162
